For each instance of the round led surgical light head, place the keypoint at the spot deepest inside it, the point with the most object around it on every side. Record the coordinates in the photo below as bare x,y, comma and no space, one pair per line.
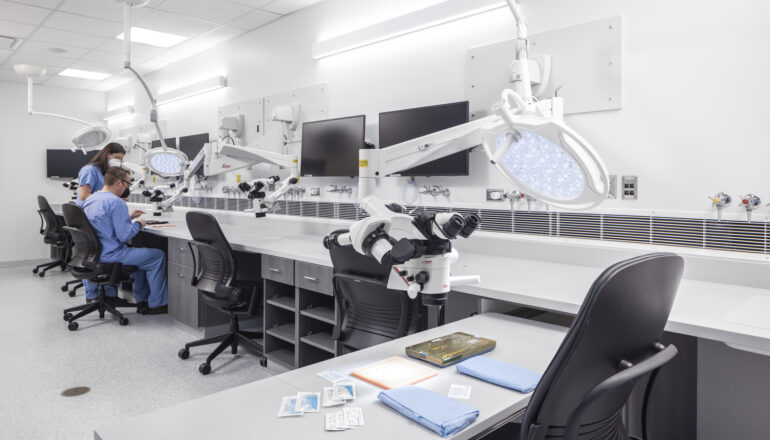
91,138
29,70
166,163
546,159
132,3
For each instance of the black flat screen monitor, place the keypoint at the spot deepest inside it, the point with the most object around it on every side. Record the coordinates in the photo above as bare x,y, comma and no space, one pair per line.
191,145
330,147
65,163
170,143
403,125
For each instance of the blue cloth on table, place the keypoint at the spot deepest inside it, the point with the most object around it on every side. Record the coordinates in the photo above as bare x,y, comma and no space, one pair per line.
500,373
434,411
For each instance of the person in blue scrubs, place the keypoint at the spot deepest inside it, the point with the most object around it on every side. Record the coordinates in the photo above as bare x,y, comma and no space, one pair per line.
91,176
91,180
108,214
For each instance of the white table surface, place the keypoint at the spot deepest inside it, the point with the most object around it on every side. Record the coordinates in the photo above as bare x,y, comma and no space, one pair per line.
701,308
250,411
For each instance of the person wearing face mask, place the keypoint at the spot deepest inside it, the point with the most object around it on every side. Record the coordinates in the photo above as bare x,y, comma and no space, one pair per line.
108,214
91,176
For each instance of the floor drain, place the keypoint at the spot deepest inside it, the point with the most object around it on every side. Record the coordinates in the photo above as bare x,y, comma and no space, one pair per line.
75,391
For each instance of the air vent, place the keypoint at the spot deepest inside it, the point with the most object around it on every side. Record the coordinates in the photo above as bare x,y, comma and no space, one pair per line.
496,220
293,208
534,223
231,204
309,209
628,228
347,211
685,232
736,236
585,226
279,208
326,209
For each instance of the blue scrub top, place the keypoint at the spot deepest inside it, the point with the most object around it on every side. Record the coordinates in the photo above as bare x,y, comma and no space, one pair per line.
109,216
92,176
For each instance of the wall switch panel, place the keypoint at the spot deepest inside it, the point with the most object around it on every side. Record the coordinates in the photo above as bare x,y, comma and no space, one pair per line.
613,194
630,187
495,195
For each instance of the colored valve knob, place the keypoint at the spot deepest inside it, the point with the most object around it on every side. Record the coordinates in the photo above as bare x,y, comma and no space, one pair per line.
750,202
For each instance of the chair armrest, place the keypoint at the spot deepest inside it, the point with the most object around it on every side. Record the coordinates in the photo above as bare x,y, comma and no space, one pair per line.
618,379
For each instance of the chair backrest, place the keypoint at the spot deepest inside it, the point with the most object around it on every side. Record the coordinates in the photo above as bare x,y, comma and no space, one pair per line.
369,312
87,247
621,318
51,226
215,262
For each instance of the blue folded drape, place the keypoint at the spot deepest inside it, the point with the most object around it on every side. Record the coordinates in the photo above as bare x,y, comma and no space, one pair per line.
434,411
500,373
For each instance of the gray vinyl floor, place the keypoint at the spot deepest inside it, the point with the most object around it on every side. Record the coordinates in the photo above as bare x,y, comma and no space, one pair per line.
130,370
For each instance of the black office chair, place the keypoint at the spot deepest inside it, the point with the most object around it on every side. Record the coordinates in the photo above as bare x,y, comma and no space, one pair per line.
53,234
368,312
215,274
612,343
85,265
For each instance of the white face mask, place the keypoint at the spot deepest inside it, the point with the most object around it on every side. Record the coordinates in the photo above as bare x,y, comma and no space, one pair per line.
115,162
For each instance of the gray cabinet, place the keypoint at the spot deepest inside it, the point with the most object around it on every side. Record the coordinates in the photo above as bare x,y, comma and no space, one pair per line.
182,297
299,312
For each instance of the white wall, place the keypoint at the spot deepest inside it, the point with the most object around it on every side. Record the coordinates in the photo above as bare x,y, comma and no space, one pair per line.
23,141
695,113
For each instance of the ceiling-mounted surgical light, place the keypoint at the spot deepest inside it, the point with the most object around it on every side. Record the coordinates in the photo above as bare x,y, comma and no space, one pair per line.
445,12
166,163
119,112
204,86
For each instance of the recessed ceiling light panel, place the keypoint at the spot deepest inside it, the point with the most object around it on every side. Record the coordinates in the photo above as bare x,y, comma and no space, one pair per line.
153,38
85,74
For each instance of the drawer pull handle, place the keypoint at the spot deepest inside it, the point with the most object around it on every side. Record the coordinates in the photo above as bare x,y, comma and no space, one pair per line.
314,279
181,249
181,275
275,270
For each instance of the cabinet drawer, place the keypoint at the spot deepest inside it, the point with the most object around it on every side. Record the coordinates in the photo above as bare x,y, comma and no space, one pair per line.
278,269
182,297
179,252
313,277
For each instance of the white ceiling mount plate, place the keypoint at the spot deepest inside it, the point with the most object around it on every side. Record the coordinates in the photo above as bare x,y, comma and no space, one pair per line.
133,3
586,67
29,70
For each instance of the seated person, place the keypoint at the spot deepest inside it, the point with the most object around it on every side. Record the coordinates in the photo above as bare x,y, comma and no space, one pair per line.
109,216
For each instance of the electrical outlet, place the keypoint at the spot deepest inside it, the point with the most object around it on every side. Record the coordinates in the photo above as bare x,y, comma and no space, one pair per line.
495,195
613,194
630,187
315,192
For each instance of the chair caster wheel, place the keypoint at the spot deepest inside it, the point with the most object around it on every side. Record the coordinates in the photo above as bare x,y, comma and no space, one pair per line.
184,353
67,316
73,326
63,288
123,321
41,274
263,362
204,368
71,293
35,270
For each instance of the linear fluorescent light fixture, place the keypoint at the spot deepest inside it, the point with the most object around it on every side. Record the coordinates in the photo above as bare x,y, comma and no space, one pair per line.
445,12
204,86
153,38
119,112
85,74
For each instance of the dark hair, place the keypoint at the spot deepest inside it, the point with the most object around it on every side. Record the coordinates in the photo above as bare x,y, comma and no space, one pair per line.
102,161
114,174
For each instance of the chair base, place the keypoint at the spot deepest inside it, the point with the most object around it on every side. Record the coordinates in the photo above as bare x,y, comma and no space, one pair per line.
100,305
47,266
231,339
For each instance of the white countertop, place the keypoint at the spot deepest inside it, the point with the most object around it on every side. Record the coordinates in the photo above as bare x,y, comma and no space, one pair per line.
701,308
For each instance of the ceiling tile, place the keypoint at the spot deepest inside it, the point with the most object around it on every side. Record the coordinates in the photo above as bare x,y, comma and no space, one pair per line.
64,37
91,66
222,34
75,83
195,46
288,6
151,66
107,58
43,48
175,24
10,75
86,25
50,4
173,55
255,19
105,10
137,50
4,54
23,13
15,29
41,60
112,82
219,11
252,3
